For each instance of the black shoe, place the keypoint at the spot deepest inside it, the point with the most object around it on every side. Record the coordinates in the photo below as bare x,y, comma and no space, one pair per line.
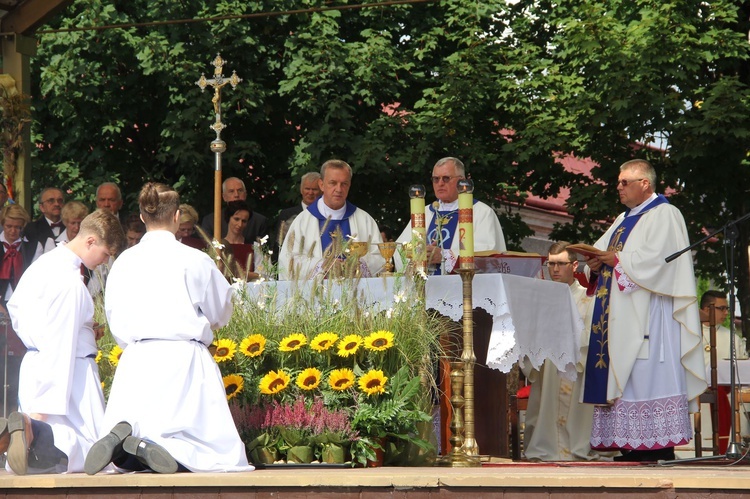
107,449
652,455
152,455
21,435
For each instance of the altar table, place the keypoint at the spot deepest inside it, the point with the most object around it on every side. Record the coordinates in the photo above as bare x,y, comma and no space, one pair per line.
518,317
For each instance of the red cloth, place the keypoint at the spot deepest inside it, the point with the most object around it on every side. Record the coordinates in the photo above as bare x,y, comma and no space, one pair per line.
523,392
12,264
725,417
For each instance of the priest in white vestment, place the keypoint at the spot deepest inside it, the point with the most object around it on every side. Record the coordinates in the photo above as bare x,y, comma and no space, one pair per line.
167,407
441,221
53,314
313,231
644,369
558,425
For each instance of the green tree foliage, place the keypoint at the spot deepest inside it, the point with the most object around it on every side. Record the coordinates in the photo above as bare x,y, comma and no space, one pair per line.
508,86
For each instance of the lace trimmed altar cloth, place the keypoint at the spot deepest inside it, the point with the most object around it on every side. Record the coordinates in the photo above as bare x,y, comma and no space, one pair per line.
531,318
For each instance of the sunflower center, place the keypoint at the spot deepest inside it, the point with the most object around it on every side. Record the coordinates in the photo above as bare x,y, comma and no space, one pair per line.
324,343
341,382
310,380
231,388
222,352
293,344
255,347
380,342
275,384
351,345
373,383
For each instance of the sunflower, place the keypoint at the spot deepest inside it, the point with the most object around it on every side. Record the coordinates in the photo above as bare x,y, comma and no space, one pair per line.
379,341
309,379
349,345
373,382
114,355
292,342
341,379
225,349
253,345
274,382
233,384
324,341
99,356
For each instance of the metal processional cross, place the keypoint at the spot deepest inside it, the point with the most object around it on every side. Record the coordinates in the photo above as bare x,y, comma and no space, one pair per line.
218,146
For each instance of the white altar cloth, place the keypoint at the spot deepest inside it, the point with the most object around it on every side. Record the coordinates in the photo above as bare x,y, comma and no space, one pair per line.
723,375
531,318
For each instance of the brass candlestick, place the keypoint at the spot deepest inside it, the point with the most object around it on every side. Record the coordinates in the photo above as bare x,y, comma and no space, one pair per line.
457,458
470,447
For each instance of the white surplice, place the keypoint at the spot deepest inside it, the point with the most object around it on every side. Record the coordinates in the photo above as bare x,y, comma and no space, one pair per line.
163,299
52,313
302,248
488,234
656,369
557,425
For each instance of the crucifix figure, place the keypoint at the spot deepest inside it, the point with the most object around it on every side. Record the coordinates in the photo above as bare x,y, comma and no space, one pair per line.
218,146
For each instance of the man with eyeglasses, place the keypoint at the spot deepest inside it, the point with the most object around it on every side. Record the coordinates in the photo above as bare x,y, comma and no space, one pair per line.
441,220
644,367
558,426
49,226
723,335
233,189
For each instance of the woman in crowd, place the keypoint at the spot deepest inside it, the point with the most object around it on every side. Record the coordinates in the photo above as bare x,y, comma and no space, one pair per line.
73,214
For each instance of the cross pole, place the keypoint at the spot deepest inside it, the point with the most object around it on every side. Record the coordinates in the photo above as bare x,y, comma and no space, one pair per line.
218,146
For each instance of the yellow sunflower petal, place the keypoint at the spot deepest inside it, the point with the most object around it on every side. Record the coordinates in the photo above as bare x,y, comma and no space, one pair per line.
114,355
253,345
309,379
233,384
324,341
225,350
379,341
373,382
292,342
349,345
273,382
341,379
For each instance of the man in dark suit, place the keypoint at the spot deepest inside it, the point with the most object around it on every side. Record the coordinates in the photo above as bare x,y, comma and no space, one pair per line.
310,191
233,189
50,224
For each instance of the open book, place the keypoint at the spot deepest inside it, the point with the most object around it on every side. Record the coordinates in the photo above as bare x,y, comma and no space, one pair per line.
584,249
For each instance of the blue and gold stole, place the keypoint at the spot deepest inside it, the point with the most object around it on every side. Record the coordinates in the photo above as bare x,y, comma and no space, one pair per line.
597,360
329,227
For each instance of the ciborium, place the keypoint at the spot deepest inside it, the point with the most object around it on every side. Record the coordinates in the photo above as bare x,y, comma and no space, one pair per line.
387,250
358,248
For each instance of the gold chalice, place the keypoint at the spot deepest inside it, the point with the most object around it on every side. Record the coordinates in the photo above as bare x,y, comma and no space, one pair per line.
358,248
387,250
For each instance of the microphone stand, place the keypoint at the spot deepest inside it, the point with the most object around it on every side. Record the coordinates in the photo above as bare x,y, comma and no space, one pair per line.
730,237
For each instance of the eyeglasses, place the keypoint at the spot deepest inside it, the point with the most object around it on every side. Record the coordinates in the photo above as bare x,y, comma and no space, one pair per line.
53,200
444,178
723,308
557,264
625,182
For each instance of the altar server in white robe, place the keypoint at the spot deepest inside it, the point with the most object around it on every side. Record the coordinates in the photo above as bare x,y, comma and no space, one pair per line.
644,369
441,221
557,425
312,232
167,408
60,394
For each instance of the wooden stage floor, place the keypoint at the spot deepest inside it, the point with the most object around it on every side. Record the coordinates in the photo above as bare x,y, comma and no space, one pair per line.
500,480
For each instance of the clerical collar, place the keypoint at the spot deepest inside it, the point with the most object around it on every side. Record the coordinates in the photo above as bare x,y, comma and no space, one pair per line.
329,212
640,207
304,205
452,206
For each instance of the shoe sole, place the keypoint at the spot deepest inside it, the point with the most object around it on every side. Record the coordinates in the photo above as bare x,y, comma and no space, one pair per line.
18,449
103,451
155,456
